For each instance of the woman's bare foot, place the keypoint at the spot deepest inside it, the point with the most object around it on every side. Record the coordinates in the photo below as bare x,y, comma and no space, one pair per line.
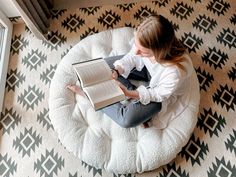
147,124
75,89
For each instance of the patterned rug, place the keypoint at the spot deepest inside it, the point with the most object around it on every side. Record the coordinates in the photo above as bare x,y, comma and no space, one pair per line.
30,147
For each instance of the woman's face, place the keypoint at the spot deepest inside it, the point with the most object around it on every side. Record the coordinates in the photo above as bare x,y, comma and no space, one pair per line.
140,50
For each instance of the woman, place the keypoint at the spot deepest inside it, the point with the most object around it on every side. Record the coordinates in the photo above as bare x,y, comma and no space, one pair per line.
157,49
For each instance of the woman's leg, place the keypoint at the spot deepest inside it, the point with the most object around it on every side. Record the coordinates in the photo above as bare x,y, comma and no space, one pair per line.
142,75
132,114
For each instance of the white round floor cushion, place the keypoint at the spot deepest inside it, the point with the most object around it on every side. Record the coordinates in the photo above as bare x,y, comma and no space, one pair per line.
94,137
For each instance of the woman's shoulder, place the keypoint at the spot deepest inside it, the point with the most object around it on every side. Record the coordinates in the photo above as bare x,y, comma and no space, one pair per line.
186,63
186,56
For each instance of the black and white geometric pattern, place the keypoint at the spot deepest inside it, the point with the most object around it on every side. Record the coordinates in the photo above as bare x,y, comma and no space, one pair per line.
204,23
192,42
18,43
14,79
195,151
215,58
9,120
218,7
31,97
182,10
27,142
211,122
29,145
49,164
73,23
109,19
228,38
7,166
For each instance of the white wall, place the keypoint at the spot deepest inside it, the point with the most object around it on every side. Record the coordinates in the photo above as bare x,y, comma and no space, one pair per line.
8,8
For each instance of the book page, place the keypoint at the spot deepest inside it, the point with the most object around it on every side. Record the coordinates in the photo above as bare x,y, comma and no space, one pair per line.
104,94
92,72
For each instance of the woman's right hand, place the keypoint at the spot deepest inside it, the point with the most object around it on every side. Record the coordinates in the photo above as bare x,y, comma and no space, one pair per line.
114,74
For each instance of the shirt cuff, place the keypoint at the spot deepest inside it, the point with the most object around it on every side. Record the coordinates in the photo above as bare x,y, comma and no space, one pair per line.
119,63
144,96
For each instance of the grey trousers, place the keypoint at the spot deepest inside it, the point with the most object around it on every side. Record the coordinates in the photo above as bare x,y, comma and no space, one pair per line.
132,113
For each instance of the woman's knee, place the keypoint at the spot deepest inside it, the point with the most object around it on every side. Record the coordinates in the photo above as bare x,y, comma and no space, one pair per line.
126,124
128,121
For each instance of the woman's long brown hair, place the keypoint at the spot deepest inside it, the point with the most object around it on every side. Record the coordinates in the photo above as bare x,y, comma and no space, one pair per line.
157,33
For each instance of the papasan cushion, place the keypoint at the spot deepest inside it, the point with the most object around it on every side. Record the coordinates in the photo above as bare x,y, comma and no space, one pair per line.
94,137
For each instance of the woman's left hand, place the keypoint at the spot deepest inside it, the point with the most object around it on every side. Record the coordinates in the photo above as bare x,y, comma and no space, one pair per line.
128,93
123,88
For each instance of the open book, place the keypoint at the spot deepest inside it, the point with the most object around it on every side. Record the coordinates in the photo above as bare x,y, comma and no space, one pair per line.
95,77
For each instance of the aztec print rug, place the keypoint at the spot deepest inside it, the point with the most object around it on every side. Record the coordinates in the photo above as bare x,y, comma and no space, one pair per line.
29,145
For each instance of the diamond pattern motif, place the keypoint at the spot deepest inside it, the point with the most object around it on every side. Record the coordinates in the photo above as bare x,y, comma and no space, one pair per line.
218,6
192,42
204,23
211,122
9,120
7,166
225,97
109,19
34,59
215,58
194,150
18,43
181,10
27,142
143,12
73,23
14,79
55,40
222,169
49,164
30,97
227,37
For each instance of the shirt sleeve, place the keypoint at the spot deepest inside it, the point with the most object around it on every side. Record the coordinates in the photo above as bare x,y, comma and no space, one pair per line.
130,61
166,86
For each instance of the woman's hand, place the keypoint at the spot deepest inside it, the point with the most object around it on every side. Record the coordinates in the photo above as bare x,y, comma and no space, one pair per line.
129,93
75,89
114,74
123,88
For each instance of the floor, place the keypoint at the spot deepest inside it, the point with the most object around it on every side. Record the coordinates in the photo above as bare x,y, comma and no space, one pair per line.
72,4
29,145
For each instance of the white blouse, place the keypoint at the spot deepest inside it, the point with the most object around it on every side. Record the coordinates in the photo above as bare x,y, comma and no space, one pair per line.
167,83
